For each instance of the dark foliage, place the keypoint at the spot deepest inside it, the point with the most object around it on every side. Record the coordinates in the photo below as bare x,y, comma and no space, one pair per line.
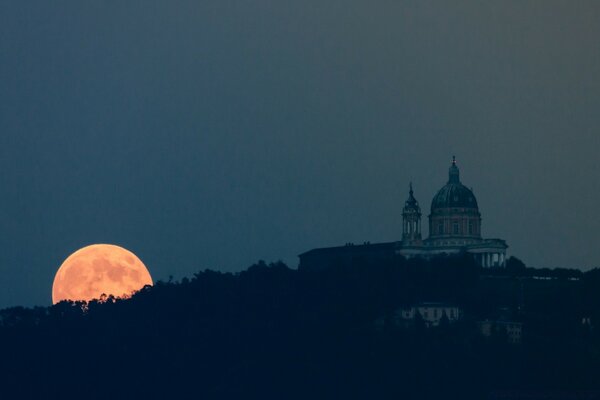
271,332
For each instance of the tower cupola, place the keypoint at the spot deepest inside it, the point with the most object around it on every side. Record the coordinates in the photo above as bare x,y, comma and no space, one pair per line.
411,218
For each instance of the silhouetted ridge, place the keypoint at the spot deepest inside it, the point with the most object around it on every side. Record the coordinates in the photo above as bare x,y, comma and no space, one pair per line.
350,331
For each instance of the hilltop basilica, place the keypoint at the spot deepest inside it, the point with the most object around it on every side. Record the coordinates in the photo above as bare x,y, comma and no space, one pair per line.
454,227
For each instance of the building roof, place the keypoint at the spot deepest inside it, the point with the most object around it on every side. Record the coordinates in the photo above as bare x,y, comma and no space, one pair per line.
351,248
435,304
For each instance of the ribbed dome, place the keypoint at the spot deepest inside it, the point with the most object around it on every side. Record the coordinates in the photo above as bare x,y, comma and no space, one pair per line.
454,194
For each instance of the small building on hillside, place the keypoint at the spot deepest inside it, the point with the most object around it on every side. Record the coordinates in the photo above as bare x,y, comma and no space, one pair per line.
512,329
430,313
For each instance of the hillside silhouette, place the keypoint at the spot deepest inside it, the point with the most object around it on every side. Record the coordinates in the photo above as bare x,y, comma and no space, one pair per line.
271,332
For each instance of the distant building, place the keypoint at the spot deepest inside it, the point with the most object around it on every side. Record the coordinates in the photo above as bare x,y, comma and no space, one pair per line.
431,313
454,228
512,329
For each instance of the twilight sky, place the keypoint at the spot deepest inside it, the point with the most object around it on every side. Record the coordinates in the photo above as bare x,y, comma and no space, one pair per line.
211,134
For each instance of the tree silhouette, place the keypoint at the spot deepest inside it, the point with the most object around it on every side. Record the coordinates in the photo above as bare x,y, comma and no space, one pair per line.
275,332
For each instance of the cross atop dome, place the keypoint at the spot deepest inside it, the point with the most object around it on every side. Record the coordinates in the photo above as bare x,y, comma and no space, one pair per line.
454,174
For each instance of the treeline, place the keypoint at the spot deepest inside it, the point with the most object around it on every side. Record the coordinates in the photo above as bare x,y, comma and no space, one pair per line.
516,268
272,332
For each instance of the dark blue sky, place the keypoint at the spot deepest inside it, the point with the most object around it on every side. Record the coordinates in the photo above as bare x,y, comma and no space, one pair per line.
211,134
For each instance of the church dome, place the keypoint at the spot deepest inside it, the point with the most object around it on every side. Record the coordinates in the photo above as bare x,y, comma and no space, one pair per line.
454,194
454,211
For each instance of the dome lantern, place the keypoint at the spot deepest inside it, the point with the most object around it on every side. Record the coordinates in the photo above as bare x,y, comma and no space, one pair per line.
454,173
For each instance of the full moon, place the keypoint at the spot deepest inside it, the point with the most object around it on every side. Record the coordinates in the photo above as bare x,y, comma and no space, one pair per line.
99,269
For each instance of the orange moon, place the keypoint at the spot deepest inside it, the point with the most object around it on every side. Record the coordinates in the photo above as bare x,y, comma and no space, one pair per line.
99,269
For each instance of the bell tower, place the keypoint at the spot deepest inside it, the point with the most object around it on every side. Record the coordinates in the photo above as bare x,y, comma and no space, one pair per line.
411,220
